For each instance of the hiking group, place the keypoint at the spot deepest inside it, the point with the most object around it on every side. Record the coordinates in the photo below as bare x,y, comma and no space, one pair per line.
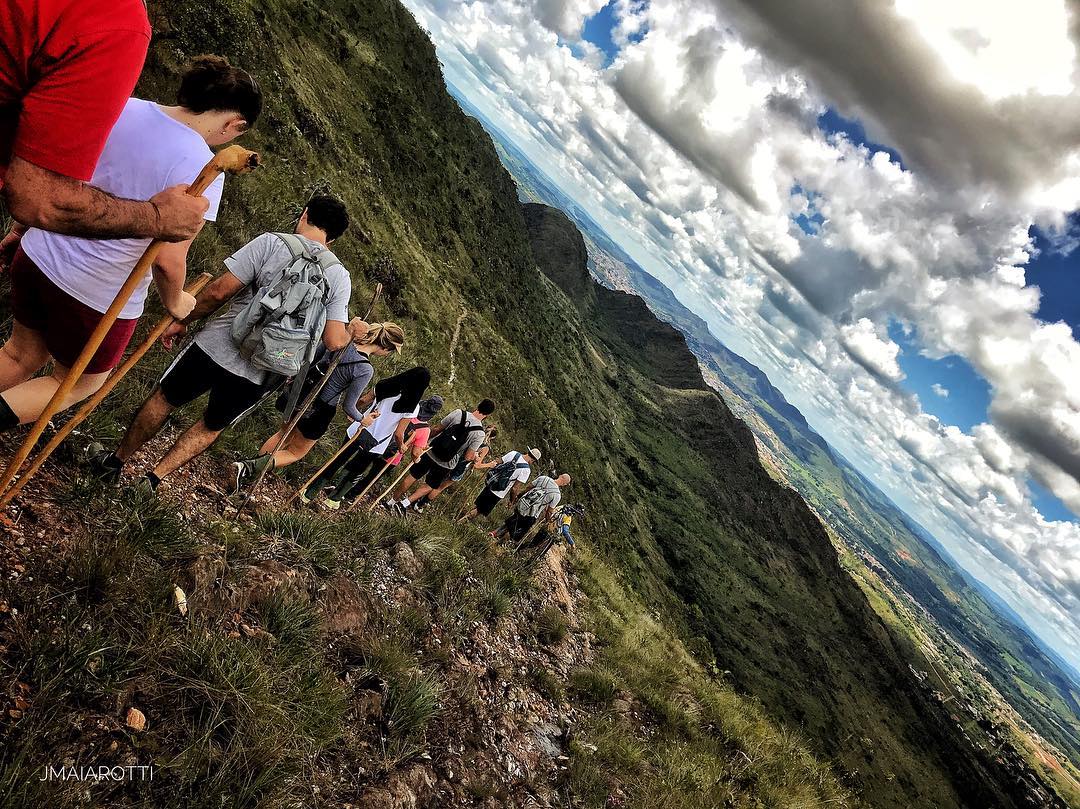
92,177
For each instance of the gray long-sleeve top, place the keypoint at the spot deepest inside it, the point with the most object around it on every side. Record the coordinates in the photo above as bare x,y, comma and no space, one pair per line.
348,382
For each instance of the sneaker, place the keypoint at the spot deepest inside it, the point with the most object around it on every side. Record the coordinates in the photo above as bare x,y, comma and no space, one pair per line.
247,471
144,487
304,497
332,505
418,507
104,465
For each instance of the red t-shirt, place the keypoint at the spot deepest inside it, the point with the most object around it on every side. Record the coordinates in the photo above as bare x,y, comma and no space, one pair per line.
66,69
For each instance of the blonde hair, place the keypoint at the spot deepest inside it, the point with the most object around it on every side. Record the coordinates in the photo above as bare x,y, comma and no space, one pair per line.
387,336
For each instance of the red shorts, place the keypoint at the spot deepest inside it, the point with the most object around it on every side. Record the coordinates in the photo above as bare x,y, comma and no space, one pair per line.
65,323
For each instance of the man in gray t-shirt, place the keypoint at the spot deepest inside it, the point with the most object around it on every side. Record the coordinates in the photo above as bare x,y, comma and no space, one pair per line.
213,363
457,438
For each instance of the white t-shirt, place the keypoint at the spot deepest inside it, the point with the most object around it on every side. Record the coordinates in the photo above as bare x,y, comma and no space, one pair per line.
147,152
382,429
520,475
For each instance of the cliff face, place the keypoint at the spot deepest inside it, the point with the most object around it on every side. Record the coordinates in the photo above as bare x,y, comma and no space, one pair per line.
755,565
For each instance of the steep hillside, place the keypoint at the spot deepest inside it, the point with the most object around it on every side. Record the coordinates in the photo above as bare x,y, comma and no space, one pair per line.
758,569
691,541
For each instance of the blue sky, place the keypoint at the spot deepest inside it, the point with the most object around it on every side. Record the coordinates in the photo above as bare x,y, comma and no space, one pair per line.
688,146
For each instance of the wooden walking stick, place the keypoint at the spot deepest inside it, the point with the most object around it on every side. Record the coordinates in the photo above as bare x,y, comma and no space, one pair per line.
324,467
359,498
232,159
305,405
394,485
90,404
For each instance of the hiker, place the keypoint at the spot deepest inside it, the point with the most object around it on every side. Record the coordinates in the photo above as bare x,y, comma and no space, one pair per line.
346,385
67,68
395,402
480,463
538,502
417,435
278,284
565,518
62,285
508,478
458,437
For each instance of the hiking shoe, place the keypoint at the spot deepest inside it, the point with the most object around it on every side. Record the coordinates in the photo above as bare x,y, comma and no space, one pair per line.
304,497
144,487
332,505
247,471
104,465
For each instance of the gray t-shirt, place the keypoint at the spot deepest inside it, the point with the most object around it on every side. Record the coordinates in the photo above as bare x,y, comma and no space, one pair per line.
474,441
258,264
544,493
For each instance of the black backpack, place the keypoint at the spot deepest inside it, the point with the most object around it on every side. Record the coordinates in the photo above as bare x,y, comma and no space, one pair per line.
499,478
449,442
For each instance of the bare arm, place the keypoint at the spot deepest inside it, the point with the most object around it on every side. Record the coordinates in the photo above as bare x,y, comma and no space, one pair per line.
335,335
37,197
208,301
170,271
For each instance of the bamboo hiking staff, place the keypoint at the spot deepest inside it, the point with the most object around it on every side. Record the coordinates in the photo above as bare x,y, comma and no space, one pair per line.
232,159
394,485
324,467
305,405
360,497
90,404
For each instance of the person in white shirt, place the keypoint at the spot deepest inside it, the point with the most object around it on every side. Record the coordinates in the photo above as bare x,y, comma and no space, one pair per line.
61,285
519,467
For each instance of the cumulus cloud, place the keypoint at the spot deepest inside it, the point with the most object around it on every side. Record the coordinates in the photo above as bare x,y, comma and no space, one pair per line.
698,147
875,353
565,17
940,390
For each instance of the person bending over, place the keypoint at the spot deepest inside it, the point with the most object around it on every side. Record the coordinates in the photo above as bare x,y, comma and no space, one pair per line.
62,285
215,362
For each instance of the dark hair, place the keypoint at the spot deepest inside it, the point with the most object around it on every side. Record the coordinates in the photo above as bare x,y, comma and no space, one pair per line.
211,83
486,407
409,385
329,214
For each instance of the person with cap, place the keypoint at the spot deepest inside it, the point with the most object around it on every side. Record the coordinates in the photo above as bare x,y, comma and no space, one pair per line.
508,478
345,387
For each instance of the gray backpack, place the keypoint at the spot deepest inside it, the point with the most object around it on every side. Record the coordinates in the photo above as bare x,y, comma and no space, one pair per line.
281,329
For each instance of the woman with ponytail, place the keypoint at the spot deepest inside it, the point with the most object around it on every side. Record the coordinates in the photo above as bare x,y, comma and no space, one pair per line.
345,387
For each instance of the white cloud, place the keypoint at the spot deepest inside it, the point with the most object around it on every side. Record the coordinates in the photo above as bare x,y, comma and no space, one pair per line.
940,390
699,144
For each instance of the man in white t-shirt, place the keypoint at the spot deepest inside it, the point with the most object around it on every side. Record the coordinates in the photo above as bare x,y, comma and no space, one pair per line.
212,363
507,478
61,285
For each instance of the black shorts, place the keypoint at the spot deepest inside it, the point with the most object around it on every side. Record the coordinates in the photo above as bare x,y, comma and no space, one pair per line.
195,374
486,502
430,472
518,525
316,421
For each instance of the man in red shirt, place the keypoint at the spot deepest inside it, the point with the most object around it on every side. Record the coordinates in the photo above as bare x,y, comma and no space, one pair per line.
67,67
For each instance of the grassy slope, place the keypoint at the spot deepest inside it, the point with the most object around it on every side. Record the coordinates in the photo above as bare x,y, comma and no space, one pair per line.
680,503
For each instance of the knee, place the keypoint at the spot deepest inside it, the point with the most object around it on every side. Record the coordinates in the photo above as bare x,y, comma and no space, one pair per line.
29,358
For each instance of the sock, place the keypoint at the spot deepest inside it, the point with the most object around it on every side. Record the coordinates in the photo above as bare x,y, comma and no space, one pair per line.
405,503
155,481
8,419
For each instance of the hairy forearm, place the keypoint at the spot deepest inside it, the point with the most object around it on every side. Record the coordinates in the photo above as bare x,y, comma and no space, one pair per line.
65,206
